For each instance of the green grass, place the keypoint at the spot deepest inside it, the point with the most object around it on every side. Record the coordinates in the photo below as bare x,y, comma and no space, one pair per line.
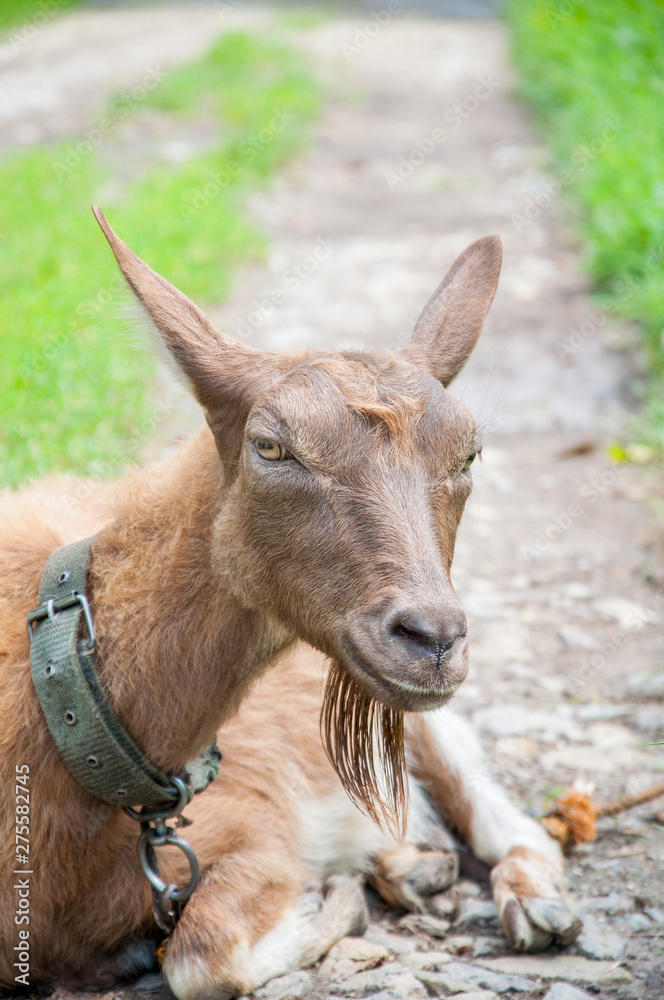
75,393
26,16
594,72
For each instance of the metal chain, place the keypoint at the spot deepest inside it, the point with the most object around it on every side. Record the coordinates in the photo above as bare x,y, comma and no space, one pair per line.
167,899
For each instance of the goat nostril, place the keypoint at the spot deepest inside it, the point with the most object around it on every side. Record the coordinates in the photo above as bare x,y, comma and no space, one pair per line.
415,632
414,635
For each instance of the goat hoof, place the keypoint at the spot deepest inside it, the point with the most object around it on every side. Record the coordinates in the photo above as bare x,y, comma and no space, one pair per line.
530,897
407,876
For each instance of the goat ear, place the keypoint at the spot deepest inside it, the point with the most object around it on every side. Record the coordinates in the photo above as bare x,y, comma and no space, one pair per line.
225,376
450,323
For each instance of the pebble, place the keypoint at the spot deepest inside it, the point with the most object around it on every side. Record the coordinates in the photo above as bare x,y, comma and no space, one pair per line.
387,995
424,923
477,995
489,945
564,991
439,984
498,981
390,977
598,711
577,638
572,968
381,995
651,685
628,614
398,944
474,911
359,950
639,922
464,887
290,987
432,960
656,914
517,720
599,941
444,904
613,904
459,943
650,718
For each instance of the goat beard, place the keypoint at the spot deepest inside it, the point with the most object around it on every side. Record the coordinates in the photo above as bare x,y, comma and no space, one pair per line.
364,741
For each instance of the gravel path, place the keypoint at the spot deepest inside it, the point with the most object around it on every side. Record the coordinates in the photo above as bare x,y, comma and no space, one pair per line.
421,150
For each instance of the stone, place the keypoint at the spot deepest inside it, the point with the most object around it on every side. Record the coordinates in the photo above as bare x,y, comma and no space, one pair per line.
426,960
359,950
398,944
577,638
290,987
424,923
489,945
573,968
441,985
650,685
598,711
392,976
628,614
599,941
479,995
475,911
479,976
655,980
655,913
639,922
381,995
459,944
613,904
464,887
508,719
444,904
650,718
565,991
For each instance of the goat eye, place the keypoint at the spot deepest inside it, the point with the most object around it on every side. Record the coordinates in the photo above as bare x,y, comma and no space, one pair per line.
270,450
469,461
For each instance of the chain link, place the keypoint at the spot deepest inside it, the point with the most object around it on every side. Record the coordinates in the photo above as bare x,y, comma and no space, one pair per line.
167,899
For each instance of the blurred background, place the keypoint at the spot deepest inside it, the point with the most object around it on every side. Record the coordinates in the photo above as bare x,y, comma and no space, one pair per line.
307,174
141,107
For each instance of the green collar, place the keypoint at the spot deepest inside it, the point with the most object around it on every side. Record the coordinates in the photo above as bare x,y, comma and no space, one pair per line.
92,742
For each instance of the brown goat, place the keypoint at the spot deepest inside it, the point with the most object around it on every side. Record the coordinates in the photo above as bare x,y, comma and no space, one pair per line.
320,504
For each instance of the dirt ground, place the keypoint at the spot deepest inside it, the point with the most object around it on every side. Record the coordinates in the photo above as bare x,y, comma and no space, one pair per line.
420,150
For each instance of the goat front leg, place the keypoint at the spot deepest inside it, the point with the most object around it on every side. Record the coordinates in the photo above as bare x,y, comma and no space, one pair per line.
527,864
252,919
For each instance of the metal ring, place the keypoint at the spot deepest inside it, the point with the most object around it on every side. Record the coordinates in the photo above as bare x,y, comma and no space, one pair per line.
166,918
147,815
154,878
